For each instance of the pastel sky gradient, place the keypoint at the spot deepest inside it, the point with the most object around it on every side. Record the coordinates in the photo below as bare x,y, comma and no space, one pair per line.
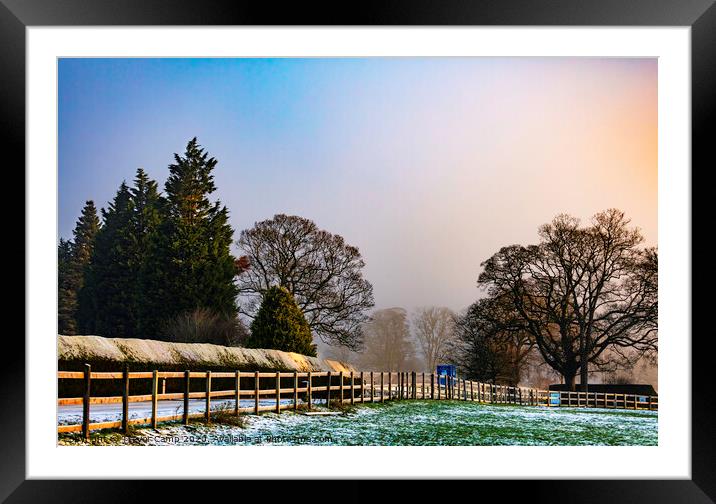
428,165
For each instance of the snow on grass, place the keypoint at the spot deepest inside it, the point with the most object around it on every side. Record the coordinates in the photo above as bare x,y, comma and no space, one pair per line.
419,423
72,414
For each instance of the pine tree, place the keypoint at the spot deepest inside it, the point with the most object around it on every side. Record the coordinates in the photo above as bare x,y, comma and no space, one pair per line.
280,325
71,278
191,265
147,218
66,300
106,299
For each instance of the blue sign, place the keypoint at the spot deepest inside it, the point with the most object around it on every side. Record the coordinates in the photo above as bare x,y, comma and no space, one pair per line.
554,399
445,370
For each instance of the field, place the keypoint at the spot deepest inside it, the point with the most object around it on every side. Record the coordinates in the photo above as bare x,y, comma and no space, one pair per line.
416,423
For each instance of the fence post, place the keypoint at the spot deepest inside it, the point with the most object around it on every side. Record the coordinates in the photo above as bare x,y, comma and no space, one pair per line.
382,387
432,386
372,392
256,392
328,391
362,387
353,383
125,400
472,392
390,385
238,394
278,392
342,389
208,397
295,390
186,397
155,385
86,402
310,389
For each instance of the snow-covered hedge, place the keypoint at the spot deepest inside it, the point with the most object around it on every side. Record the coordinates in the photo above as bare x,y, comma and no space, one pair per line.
111,354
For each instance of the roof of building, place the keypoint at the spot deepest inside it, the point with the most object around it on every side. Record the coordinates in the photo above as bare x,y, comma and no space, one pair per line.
622,388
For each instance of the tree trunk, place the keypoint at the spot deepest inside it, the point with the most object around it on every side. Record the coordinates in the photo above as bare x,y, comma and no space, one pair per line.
584,376
569,380
584,367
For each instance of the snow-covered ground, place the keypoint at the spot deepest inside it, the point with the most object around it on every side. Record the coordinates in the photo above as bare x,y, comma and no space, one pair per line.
72,415
415,423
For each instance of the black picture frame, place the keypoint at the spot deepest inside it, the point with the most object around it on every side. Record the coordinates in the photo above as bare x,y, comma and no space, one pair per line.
700,15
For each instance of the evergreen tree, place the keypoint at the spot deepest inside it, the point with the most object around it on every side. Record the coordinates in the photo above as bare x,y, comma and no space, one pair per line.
280,325
71,278
190,265
106,300
146,221
66,300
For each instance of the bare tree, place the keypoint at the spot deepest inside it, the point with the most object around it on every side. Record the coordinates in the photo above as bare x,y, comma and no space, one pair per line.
338,353
434,328
491,344
322,272
387,341
580,291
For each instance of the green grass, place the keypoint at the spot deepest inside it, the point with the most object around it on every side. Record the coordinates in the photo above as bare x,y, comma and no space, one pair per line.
424,423
454,423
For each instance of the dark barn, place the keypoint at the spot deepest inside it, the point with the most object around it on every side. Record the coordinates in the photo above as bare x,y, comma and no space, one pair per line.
640,389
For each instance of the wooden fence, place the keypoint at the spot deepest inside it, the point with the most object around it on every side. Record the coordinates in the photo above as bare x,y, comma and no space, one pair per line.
307,388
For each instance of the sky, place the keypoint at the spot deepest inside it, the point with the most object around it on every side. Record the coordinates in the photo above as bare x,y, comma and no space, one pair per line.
427,165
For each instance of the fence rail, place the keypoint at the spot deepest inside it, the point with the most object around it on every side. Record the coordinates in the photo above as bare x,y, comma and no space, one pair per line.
326,387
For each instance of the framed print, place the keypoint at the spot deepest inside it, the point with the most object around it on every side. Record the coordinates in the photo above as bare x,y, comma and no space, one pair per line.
414,242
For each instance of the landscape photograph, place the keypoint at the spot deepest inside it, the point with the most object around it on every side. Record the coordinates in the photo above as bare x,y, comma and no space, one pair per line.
414,251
